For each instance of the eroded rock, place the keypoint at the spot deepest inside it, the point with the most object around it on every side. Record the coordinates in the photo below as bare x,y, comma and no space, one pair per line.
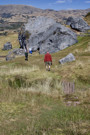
78,24
47,35
7,46
69,58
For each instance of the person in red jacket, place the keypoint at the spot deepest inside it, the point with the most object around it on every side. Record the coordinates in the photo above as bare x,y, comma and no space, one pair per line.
48,61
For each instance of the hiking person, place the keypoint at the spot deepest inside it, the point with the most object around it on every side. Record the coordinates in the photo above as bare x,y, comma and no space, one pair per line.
22,40
48,61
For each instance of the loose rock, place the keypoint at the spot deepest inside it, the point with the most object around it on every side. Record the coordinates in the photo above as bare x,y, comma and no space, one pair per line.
69,58
7,46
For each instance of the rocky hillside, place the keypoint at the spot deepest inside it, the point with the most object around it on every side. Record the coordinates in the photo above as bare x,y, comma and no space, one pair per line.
64,14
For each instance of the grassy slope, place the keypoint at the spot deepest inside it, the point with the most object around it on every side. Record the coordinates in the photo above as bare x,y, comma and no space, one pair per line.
11,37
32,101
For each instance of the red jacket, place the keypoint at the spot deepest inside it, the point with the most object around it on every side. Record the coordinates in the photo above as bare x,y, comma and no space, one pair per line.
47,57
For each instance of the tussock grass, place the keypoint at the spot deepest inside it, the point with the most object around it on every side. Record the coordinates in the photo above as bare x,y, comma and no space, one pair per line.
80,65
45,87
18,71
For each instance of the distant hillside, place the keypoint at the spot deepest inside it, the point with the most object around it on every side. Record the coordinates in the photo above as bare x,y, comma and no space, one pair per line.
17,13
20,13
18,9
12,15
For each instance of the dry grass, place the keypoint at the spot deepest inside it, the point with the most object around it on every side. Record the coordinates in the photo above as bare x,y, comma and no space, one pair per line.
17,71
12,37
32,101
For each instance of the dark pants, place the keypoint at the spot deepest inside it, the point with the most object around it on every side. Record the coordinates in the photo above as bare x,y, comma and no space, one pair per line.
26,55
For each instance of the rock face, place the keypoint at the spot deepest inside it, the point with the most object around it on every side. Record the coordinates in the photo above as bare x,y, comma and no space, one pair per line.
47,35
70,57
77,24
7,46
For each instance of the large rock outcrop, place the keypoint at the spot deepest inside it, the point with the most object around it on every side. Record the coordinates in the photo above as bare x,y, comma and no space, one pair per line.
47,35
78,24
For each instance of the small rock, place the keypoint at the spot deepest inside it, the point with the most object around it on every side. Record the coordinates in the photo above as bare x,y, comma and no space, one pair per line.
70,57
7,46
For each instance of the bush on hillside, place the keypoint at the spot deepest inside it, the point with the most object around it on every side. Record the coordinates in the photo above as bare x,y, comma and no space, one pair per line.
88,14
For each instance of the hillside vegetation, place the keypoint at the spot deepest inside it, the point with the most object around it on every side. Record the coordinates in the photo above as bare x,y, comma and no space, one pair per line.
32,100
87,18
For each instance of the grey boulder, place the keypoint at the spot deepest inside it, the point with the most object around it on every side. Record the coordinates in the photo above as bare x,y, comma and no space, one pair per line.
78,24
12,54
7,46
69,58
47,35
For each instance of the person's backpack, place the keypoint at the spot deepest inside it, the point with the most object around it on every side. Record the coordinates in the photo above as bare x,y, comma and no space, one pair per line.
30,51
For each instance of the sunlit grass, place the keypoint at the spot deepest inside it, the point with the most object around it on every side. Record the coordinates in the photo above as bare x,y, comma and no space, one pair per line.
12,38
